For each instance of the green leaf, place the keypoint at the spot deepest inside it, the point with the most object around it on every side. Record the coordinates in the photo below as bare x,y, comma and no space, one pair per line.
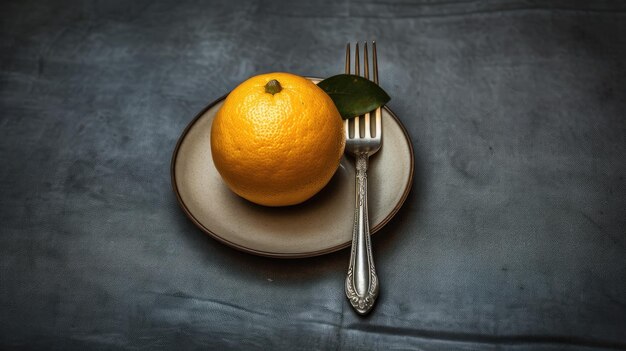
353,95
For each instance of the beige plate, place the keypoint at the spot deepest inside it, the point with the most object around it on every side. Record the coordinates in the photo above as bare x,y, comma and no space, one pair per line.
320,225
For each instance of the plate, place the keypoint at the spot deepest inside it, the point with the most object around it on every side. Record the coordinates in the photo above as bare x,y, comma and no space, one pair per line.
320,225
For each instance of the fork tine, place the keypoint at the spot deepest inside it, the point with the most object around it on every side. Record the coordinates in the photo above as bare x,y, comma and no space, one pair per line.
366,71
366,67
348,58
375,62
368,131
357,69
378,123
346,122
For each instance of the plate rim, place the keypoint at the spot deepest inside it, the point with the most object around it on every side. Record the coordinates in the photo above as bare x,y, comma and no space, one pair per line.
231,244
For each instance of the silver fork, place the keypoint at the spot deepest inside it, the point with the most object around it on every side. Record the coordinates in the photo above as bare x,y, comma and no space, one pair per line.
362,281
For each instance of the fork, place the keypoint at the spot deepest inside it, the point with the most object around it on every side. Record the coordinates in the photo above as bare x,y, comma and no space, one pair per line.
362,280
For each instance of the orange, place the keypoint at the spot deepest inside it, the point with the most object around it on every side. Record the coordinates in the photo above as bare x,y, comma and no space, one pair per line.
277,140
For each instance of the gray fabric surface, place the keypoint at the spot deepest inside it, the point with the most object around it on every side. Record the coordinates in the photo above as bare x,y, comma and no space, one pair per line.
513,237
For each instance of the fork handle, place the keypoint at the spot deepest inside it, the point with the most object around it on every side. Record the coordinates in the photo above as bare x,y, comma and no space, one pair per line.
362,281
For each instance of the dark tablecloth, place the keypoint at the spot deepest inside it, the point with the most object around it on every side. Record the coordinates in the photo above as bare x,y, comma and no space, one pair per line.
512,238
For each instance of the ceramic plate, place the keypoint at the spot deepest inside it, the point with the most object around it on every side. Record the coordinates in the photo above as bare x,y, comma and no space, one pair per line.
318,226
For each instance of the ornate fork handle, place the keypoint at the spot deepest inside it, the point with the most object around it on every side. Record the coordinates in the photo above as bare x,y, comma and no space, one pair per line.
362,281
